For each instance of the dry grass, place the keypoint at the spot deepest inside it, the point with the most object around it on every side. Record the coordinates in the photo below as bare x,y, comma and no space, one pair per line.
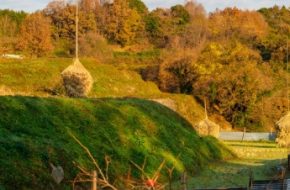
260,157
283,126
5,91
77,80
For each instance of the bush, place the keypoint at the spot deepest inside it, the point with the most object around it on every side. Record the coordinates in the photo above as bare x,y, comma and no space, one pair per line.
96,46
178,75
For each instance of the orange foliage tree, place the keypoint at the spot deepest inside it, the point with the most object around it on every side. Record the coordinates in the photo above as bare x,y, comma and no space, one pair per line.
62,17
35,35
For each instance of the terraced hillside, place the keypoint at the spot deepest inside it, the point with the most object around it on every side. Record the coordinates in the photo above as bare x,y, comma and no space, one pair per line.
34,132
41,77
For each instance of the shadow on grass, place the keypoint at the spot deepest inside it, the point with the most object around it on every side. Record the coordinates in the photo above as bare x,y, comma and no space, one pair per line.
235,173
253,146
34,133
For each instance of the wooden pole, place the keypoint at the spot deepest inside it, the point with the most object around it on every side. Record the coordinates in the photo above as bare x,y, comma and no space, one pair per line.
94,181
288,106
77,30
244,134
184,181
251,179
288,162
205,109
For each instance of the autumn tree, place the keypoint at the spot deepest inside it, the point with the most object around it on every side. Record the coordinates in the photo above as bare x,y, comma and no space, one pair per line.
274,47
62,17
10,22
122,23
178,27
159,28
164,26
233,80
7,26
35,35
195,33
89,6
8,31
232,23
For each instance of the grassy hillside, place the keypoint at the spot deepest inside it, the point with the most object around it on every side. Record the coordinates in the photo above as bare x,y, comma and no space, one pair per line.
35,132
41,77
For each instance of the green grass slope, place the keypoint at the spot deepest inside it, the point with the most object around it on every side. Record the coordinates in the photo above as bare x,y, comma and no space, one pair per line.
38,77
34,132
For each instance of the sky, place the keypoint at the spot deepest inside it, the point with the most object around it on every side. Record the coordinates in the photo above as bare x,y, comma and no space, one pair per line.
210,5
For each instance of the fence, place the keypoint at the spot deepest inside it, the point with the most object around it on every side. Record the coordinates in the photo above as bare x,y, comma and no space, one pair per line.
244,136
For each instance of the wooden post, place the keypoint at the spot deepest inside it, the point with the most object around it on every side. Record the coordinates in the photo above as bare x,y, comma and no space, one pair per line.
94,181
77,30
251,179
170,171
205,109
288,162
184,181
244,134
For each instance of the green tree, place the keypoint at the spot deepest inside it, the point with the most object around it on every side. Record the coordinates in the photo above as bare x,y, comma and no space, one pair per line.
139,6
159,28
180,15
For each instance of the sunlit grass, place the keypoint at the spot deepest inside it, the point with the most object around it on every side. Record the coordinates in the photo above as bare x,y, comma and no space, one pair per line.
38,77
262,158
34,133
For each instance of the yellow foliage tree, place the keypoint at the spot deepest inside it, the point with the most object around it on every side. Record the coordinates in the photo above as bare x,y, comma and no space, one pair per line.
121,22
233,80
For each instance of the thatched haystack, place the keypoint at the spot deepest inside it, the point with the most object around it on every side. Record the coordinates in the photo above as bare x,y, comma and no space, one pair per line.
207,128
167,102
283,127
5,91
77,80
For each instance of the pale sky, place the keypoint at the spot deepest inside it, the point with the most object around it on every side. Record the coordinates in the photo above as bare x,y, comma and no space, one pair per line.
210,5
